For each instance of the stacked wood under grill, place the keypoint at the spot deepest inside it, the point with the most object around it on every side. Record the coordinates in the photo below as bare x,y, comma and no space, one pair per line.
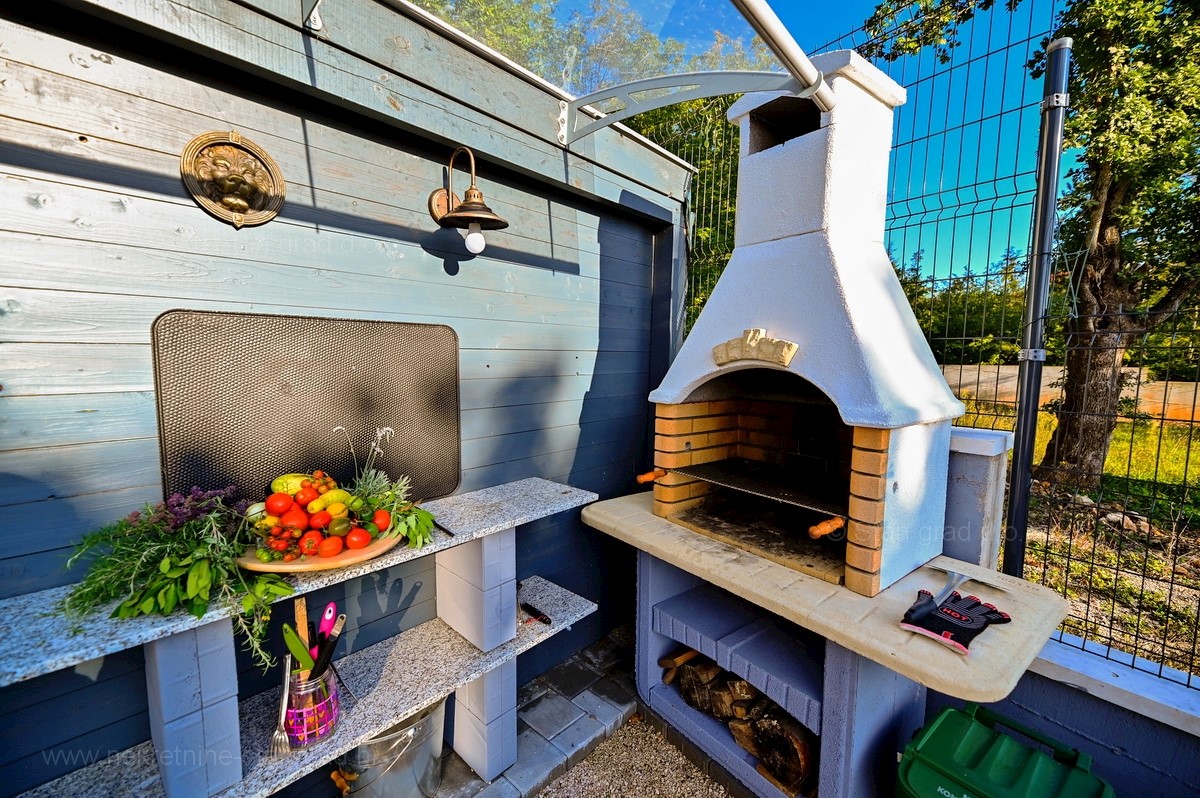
785,749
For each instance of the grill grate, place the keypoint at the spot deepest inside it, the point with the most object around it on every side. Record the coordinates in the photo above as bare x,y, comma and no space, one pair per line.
245,397
797,486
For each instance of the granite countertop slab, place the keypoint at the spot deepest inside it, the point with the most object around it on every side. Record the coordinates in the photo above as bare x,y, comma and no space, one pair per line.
868,626
389,681
34,639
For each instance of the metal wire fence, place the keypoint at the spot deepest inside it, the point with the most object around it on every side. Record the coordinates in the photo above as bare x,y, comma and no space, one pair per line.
1122,545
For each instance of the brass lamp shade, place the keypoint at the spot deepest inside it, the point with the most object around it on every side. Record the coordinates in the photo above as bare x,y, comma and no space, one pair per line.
471,210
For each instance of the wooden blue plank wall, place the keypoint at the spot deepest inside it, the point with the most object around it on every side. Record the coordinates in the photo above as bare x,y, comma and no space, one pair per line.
97,238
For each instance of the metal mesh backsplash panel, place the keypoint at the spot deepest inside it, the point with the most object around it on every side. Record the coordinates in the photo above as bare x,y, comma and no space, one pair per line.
243,398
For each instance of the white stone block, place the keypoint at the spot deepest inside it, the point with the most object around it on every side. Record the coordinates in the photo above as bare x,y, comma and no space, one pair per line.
914,517
486,618
172,677
489,748
217,662
484,563
491,695
179,747
223,762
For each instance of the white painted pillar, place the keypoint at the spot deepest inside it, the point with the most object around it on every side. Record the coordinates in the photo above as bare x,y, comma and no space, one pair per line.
191,683
477,597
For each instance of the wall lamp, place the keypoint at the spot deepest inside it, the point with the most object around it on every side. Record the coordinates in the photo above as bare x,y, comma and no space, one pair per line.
471,214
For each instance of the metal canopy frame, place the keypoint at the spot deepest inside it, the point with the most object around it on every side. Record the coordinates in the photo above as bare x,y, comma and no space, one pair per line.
802,79
659,92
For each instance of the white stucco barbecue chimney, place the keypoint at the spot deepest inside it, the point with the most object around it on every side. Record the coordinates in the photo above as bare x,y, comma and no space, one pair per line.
810,290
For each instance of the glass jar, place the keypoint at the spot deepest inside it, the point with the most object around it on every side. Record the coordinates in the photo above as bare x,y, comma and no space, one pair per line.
313,708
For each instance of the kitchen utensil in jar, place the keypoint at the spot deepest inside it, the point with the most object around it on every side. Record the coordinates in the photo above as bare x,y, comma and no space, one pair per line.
280,744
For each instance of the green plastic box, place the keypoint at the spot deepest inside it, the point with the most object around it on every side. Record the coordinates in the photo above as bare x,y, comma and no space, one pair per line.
961,754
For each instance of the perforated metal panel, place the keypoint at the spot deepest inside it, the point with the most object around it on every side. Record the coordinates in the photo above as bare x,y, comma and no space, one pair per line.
244,397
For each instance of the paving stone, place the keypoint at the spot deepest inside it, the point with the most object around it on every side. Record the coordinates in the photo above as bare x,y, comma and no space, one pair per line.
604,654
612,692
458,780
608,715
538,762
535,688
500,788
578,739
550,714
570,678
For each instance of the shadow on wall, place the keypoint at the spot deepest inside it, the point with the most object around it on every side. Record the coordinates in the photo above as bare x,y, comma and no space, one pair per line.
25,564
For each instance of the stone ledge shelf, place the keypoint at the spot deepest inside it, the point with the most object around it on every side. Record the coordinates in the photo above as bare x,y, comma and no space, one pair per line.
37,644
868,627
381,679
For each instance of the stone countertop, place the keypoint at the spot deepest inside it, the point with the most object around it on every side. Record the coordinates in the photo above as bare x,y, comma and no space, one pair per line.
389,681
35,639
868,626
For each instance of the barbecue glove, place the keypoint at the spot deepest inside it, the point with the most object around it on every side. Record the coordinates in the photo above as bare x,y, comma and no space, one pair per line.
955,622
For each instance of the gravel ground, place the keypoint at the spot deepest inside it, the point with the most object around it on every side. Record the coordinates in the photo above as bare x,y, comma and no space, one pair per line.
635,762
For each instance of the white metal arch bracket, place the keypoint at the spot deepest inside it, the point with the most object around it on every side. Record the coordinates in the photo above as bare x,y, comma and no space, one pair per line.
639,96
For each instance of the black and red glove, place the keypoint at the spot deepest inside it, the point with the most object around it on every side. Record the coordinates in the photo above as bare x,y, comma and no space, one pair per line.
955,622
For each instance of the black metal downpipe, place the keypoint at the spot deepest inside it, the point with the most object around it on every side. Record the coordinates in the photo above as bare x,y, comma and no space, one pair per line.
1055,102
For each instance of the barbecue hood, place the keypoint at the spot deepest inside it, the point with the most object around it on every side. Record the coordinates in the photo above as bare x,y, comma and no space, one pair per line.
809,288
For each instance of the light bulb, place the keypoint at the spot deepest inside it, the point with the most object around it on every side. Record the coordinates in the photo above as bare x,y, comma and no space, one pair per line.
475,242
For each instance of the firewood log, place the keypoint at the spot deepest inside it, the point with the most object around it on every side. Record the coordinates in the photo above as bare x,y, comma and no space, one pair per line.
785,748
743,735
669,675
678,658
742,690
721,699
694,679
750,709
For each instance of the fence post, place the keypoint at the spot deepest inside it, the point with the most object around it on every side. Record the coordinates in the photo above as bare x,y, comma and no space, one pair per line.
1055,101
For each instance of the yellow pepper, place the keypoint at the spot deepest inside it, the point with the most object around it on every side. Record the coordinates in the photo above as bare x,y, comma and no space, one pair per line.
338,510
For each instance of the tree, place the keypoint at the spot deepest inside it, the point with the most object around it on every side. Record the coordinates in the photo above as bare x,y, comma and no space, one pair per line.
1132,204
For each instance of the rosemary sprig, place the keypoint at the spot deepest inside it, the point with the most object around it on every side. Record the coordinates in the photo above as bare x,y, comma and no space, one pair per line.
177,554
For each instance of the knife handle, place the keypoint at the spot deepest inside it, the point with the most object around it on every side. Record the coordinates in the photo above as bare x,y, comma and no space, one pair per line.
304,660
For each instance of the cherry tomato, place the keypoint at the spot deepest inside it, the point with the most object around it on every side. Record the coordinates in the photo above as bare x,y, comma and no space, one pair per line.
382,519
295,518
358,538
289,556
310,542
330,547
279,503
305,495
320,519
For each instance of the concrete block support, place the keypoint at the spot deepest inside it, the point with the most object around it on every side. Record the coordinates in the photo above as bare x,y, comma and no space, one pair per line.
477,597
975,495
869,713
191,684
477,589
485,721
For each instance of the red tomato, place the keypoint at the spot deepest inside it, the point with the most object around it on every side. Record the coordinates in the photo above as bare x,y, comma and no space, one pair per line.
306,495
358,539
279,503
310,542
382,519
320,519
295,518
330,547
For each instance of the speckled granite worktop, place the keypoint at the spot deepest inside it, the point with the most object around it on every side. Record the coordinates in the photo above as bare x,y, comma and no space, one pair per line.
384,690
32,644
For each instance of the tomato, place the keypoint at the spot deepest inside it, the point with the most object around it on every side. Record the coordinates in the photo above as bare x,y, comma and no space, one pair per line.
382,519
295,518
305,495
279,503
358,539
330,547
310,542
320,519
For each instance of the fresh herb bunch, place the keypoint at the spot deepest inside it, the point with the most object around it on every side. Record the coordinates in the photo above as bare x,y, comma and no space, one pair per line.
375,490
181,553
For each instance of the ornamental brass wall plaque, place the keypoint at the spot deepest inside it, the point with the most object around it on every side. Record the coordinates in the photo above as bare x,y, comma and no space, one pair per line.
232,178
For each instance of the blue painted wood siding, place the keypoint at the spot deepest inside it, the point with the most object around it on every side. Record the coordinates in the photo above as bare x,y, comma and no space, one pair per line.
97,237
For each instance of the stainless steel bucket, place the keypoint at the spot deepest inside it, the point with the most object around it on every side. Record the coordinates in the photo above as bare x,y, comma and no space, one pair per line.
403,762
